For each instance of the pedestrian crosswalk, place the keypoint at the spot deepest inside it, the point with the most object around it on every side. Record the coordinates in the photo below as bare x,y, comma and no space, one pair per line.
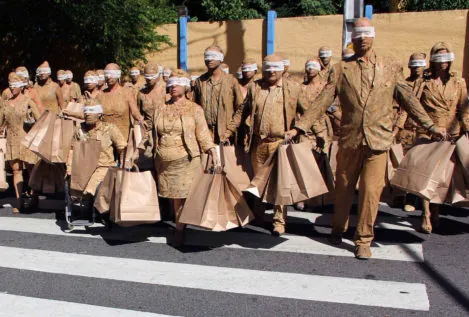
49,256
19,306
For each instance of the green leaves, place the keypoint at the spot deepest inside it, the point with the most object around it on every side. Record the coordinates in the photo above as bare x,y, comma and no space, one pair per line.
81,34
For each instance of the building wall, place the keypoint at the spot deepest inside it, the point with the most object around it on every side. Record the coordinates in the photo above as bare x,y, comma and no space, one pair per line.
397,35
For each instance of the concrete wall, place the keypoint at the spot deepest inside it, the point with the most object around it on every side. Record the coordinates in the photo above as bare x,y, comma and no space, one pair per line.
398,35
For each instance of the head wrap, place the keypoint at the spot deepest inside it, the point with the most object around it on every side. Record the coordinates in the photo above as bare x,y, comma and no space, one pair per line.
312,64
324,52
211,55
273,63
44,68
436,57
22,71
286,62
97,109
363,31
178,78
61,75
249,67
239,73
90,77
15,81
194,77
418,60
134,71
112,73
68,74
112,70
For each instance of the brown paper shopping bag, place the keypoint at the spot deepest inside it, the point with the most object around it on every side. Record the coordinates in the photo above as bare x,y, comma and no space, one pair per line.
62,140
308,180
74,108
3,176
235,165
105,193
299,177
41,143
45,117
84,163
47,178
215,203
260,185
136,199
423,169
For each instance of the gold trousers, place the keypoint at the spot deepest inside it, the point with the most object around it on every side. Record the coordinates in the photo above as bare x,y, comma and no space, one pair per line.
370,167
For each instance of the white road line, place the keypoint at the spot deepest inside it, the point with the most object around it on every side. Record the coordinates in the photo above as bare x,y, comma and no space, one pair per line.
22,306
410,252
412,296
324,220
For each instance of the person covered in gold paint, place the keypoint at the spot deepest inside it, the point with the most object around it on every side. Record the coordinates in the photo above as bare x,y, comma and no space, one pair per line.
444,97
64,87
181,134
217,92
137,81
119,103
325,59
248,72
29,87
75,90
366,86
321,134
110,138
405,130
18,114
101,79
48,91
271,106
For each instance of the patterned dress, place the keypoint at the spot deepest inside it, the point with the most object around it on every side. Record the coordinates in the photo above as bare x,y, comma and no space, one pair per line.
14,114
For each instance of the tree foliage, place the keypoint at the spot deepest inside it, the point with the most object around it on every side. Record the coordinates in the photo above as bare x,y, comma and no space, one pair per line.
81,33
219,10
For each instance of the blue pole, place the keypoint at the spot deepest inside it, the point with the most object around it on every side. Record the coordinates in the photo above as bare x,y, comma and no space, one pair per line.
271,16
183,43
369,11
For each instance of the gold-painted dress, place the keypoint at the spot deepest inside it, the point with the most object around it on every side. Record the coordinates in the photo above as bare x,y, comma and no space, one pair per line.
116,108
181,133
47,95
14,116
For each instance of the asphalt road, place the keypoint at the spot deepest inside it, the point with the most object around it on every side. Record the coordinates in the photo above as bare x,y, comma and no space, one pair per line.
46,271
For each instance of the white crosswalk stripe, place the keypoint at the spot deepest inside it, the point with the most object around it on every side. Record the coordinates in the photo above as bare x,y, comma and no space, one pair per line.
411,252
22,306
270,283
241,281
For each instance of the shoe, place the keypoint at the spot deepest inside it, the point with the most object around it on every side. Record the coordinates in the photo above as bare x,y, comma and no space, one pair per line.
409,208
300,206
335,238
278,230
363,252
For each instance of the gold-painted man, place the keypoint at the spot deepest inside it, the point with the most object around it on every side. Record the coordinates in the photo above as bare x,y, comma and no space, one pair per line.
366,86
218,93
271,107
